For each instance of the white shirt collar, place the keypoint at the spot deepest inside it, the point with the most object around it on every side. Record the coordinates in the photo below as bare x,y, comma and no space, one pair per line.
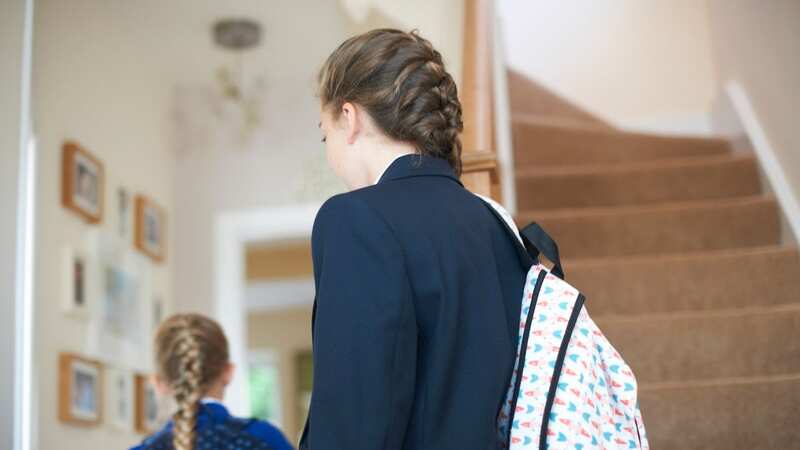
206,400
380,175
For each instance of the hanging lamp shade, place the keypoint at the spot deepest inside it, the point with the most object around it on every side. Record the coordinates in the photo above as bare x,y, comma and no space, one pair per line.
237,34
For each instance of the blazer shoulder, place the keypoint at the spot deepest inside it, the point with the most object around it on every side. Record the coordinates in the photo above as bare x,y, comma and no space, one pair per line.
160,439
351,207
268,433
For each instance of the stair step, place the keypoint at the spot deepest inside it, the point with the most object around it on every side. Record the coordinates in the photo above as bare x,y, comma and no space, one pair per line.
704,345
662,228
538,143
758,413
765,276
564,123
672,180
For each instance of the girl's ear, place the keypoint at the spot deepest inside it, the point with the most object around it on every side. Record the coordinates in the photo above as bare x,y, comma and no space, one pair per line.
227,375
161,385
353,123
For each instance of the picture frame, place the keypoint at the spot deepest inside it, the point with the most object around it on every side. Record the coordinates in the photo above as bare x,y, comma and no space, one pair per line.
146,415
121,396
150,228
75,298
80,390
82,182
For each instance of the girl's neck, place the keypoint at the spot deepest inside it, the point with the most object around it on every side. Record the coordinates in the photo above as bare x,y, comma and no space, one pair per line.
382,156
216,391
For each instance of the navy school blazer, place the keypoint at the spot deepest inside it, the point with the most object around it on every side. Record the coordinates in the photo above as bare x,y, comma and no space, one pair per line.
419,287
217,429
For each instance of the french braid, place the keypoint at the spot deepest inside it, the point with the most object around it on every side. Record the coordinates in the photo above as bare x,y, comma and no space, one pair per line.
192,354
401,81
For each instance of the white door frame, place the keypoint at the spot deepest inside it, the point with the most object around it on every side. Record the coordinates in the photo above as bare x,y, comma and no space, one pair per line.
232,232
17,183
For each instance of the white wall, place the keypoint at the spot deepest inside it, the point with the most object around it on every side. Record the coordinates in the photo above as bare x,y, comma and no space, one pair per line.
101,78
639,64
757,45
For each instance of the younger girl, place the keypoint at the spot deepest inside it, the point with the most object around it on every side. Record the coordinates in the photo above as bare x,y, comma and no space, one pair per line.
193,366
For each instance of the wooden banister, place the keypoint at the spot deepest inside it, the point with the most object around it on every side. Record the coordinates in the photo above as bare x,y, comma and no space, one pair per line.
479,159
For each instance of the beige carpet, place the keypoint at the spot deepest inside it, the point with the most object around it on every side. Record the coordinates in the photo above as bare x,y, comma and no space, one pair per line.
677,247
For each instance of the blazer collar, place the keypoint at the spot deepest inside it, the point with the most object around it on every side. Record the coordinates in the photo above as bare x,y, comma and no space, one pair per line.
209,412
418,166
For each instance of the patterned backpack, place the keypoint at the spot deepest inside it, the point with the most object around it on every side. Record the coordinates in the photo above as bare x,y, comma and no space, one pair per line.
570,388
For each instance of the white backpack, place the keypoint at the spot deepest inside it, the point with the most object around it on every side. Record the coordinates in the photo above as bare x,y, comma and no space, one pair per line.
570,388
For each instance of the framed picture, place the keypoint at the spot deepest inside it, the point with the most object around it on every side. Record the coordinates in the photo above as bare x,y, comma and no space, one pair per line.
76,283
83,182
146,406
80,390
120,407
150,228
120,301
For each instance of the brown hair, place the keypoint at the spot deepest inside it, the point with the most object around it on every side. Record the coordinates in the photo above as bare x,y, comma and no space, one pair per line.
191,354
400,80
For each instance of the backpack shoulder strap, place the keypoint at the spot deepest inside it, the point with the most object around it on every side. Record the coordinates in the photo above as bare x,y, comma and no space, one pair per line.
550,312
505,219
538,241
533,239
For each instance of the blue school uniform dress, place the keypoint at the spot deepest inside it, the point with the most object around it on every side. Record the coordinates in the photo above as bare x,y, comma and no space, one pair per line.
217,429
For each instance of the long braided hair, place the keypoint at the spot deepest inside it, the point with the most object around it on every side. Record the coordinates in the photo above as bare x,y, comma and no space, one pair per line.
191,354
401,80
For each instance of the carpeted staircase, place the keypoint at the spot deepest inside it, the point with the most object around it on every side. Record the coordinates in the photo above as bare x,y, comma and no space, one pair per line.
678,249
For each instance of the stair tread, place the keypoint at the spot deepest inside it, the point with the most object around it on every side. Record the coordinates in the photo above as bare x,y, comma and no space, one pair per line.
623,210
567,125
662,227
718,313
637,183
684,257
724,414
718,382
554,142
690,281
708,344
634,166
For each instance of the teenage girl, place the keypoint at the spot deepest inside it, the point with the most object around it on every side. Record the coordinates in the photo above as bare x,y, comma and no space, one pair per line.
417,282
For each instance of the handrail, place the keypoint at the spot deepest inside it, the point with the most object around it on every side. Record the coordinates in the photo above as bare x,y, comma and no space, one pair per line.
479,158
502,122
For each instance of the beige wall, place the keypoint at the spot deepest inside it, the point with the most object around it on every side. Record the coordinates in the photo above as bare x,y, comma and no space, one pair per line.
286,333
441,22
97,79
290,168
638,64
758,44
106,75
